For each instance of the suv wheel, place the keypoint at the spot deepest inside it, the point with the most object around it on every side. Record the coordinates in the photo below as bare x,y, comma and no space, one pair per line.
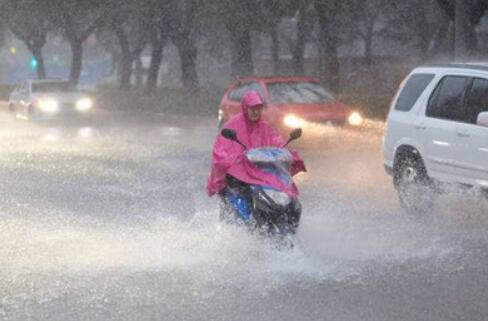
485,192
414,186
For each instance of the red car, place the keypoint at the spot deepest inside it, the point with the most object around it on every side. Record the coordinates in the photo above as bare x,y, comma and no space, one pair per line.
289,102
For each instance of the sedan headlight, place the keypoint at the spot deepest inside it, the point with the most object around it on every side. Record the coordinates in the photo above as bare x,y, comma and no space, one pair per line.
48,106
280,198
355,119
84,105
294,121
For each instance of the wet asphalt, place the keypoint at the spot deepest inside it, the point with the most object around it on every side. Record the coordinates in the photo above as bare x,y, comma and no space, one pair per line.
107,219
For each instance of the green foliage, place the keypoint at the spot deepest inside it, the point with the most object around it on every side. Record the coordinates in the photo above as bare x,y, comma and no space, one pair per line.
27,19
408,19
347,19
254,15
135,17
77,19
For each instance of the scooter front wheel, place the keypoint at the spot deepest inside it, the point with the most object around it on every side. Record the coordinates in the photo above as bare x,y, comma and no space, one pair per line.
226,212
283,242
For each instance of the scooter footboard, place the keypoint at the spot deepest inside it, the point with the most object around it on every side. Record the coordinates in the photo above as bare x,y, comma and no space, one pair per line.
234,206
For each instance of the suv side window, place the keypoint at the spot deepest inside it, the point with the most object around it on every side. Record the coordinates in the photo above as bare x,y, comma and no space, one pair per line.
477,99
412,90
447,99
22,87
242,88
25,87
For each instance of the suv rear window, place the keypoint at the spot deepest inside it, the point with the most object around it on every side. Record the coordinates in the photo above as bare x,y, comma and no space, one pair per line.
447,101
412,90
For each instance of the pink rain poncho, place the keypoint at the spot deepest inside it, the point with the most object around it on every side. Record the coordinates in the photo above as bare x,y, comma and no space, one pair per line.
228,157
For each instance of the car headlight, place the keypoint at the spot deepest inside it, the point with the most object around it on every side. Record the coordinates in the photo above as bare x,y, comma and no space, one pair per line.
280,198
294,121
49,106
84,104
355,119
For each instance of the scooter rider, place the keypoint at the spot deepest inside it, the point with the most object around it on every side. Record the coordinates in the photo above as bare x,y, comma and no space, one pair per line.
254,132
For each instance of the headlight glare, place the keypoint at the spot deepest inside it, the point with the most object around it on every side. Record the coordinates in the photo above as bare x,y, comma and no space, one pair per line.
355,119
84,104
49,106
294,121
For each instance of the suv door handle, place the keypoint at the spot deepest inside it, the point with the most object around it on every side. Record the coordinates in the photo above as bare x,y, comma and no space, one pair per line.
421,127
463,134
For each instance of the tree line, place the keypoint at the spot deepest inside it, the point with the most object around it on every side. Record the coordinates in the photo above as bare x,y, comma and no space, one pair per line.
128,27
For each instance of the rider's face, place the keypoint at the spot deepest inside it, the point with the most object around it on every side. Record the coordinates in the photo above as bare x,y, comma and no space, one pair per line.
254,113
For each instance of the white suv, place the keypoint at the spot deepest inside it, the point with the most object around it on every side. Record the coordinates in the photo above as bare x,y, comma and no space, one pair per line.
437,133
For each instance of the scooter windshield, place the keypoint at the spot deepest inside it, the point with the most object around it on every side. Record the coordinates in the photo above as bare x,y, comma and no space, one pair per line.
276,161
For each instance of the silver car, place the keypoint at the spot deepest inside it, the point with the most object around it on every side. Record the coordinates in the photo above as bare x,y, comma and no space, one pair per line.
47,99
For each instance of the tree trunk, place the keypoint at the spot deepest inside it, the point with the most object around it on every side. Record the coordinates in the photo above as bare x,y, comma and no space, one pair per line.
188,56
40,69
138,70
426,33
76,61
182,21
126,59
298,51
464,42
441,40
241,52
126,71
155,65
452,40
125,75
368,45
115,67
34,43
328,46
275,49
448,7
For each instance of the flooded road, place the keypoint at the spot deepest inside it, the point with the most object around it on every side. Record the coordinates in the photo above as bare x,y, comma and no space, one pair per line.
108,220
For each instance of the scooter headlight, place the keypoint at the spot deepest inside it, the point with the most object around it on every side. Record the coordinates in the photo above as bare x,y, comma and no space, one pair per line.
280,198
